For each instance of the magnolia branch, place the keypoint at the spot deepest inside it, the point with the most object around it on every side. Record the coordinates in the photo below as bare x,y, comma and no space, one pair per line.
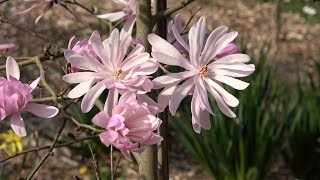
49,151
48,146
27,30
173,9
32,59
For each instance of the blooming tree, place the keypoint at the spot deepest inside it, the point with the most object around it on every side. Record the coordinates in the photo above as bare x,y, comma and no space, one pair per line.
125,71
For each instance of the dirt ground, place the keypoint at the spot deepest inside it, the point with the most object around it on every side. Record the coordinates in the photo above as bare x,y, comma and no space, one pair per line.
293,42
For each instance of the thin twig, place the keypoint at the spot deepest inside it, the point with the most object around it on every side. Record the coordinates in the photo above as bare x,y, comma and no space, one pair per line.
31,60
173,9
74,2
47,147
111,162
95,163
86,126
47,99
27,30
49,151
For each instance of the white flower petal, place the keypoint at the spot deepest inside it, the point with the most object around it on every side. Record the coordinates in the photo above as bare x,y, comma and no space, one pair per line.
41,110
12,68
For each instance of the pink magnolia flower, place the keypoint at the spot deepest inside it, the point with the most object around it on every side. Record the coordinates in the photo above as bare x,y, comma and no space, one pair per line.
7,46
116,71
48,4
179,25
202,74
16,96
129,126
79,47
177,21
127,14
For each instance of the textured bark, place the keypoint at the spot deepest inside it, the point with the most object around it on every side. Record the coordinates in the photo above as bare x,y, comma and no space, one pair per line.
163,165
148,159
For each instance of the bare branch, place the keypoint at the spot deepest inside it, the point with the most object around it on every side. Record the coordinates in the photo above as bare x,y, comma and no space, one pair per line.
95,163
27,30
47,147
49,151
173,9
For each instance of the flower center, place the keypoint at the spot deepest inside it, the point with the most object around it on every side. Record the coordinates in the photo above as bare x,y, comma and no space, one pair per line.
118,73
203,70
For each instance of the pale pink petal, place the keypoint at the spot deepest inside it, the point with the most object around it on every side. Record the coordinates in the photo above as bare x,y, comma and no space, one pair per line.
79,77
29,9
211,42
235,83
101,119
7,46
165,96
196,40
220,45
147,68
82,62
41,110
166,50
234,66
111,101
230,49
17,124
81,89
232,73
179,94
202,94
233,58
199,115
91,96
35,83
105,138
179,38
128,26
115,40
12,68
152,139
112,17
220,102
164,80
99,49
133,61
169,60
227,97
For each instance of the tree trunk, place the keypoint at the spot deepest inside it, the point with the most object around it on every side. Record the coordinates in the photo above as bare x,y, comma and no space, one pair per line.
148,159
163,172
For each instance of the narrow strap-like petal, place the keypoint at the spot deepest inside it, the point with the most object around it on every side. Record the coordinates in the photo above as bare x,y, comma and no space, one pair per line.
91,96
167,79
12,68
199,116
202,94
221,103
179,94
17,124
101,119
227,97
81,89
41,110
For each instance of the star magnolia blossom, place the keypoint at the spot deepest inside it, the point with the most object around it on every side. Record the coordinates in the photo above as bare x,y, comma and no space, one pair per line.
16,96
36,3
231,48
204,72
112,70
129,126
7,46
79,47
127,14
